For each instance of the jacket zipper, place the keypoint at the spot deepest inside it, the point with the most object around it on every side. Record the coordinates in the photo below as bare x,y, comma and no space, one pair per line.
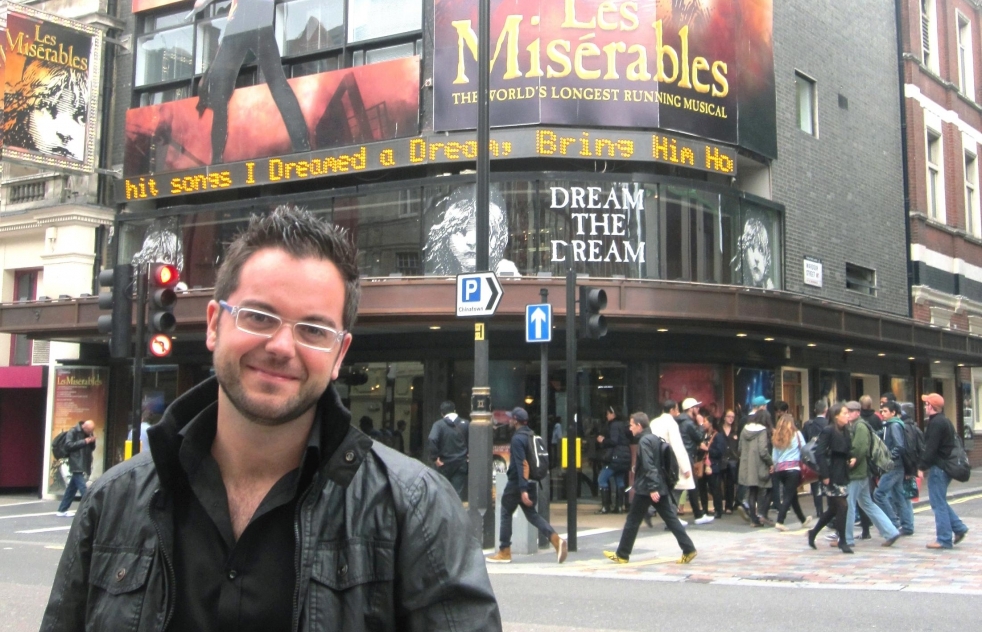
167,563
298,556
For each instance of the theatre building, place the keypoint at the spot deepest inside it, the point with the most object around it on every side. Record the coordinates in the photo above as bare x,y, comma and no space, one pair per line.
729,172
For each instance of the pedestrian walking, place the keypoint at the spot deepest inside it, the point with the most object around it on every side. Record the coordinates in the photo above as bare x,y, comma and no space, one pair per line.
939,441
80,444
448,447
522,492
889,494
859,480
812,428
786,455
833,455
651,489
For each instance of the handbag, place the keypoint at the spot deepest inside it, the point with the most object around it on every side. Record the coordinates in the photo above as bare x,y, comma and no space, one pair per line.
910,488
808,463
697,468
956,465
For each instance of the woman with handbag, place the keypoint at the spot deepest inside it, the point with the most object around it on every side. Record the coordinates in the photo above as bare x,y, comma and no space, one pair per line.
786,453
832,453
616,457
713,465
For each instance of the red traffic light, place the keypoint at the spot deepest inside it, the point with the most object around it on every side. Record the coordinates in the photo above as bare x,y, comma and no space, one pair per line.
160,345
164,275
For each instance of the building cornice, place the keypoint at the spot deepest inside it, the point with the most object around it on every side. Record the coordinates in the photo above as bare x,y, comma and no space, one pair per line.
62,215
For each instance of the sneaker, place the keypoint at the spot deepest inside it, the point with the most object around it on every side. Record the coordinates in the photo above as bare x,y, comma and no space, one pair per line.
780,527
614,557
960,536
686,558
65,514
704,520
744,513
907,532
832,537
684,523
503,556
562,548
808,522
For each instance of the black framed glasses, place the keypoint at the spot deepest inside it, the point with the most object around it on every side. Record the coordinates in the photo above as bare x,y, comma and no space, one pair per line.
260,323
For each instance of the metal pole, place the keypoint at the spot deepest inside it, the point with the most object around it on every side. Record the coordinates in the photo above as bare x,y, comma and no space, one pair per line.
572,474
140,349
546,491
480,436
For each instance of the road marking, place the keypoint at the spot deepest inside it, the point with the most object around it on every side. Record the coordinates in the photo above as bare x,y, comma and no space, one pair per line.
26,502
583,534
47,513
66,528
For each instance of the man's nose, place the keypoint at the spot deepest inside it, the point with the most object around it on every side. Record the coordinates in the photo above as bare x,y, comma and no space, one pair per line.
282,341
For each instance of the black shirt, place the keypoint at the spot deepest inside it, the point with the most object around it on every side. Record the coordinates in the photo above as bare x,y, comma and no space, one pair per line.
245,585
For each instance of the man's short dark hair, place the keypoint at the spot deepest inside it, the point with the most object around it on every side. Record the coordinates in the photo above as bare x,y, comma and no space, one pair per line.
889,396
892,406
781,406
301,235
669,405
640,418
821,406
447,407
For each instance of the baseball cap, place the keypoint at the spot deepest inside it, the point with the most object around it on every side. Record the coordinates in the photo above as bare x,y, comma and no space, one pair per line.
854,405
936,401
689,402
760,400
519,414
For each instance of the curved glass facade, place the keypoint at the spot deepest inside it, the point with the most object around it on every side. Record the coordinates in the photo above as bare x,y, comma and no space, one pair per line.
632,226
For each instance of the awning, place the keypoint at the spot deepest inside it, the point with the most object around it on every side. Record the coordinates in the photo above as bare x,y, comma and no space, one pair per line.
22,376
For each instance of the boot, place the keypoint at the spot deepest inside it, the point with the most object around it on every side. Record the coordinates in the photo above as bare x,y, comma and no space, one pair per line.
618,500
503,556
604,500
562,549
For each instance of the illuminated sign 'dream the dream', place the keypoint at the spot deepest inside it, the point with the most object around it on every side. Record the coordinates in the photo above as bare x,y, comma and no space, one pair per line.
407,152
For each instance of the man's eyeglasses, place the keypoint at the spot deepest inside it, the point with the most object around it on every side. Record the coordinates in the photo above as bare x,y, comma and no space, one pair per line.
260,323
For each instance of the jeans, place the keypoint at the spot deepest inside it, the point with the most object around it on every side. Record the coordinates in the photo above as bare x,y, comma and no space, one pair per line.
946,521
77,484
666,511
456,473
709,484
889,496
859,493
787,481
606,474
511,499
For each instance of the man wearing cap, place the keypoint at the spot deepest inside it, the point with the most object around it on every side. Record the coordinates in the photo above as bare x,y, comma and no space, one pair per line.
939,441
694,440
521,492
859,482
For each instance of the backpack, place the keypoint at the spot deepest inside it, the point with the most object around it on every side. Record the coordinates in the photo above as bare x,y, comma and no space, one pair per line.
59,445
913,448
669,465
538,458
880,460
956,465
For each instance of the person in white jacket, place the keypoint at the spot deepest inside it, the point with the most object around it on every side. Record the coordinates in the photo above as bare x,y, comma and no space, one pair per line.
667,428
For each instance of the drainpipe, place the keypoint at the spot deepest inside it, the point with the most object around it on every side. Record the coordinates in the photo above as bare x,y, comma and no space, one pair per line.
904,155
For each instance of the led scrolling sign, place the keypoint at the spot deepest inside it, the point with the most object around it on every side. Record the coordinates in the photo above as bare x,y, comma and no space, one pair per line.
451,148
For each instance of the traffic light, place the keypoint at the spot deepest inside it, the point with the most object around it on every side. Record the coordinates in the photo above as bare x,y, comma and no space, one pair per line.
592,301
161,296
119,280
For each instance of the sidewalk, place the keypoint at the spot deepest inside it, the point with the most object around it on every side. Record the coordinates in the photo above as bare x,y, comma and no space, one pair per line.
732,553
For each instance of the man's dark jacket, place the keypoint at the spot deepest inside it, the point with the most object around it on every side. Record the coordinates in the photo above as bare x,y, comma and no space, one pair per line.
939,441
814,427
79,452
692,436
448,439
383,542
648,474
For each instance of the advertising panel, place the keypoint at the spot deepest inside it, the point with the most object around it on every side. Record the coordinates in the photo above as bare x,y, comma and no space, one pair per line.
701,67
81,393
52,68
364,104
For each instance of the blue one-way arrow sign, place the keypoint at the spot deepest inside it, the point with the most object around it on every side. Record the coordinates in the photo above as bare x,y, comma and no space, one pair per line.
538,323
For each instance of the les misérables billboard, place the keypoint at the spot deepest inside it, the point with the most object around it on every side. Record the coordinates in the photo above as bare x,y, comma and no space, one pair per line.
51,89
701,67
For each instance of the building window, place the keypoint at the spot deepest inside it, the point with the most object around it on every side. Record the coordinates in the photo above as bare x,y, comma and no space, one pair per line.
929,38
966,70
935,201
25,289
407,263
313,36
973,223
807,116
860,279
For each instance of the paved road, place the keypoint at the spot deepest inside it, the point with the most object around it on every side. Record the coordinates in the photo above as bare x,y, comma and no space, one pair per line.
743,579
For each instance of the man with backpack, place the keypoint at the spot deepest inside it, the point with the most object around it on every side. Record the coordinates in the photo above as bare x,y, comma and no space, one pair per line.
78,445
655,474
939,442
859,480
529,464
889,494
812,428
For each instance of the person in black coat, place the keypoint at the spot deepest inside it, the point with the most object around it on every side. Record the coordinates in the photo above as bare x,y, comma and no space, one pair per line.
834,462
651,489
939,442
812,428
80,444
616,446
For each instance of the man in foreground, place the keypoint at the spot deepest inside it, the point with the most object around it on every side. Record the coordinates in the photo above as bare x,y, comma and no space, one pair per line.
651,488
259,506
522,492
